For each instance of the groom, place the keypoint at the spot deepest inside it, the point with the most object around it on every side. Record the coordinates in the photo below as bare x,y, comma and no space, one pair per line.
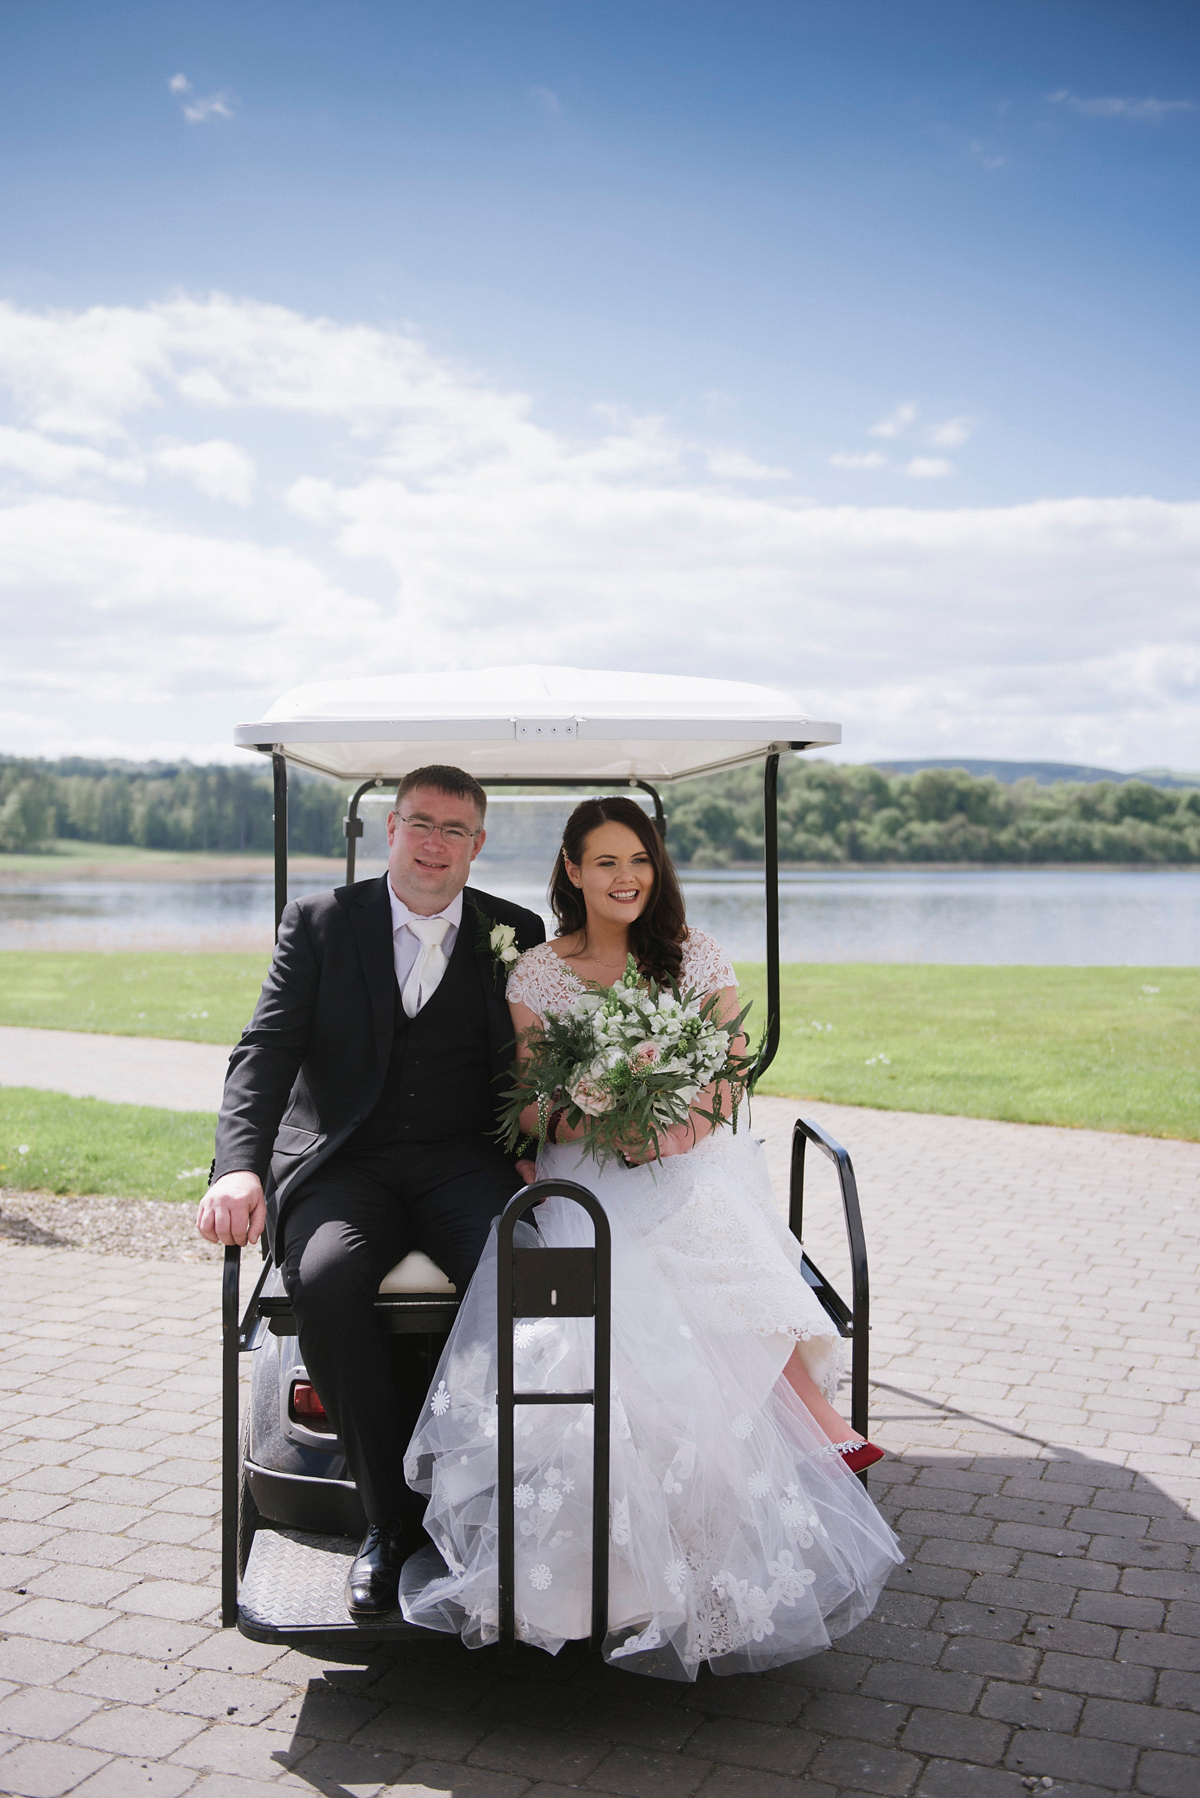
357,1123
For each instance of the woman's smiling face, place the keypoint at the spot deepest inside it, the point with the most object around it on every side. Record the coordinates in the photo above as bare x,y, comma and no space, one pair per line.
616,875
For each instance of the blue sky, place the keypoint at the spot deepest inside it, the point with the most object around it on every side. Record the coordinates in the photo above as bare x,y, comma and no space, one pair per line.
849,347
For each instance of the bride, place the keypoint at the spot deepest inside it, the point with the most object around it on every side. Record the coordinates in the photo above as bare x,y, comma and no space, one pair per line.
739,1535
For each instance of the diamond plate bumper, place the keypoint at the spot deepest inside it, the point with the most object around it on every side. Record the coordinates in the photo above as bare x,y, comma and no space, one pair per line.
293,1590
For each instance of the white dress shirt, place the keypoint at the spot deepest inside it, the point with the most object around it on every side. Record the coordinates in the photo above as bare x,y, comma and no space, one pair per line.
406,946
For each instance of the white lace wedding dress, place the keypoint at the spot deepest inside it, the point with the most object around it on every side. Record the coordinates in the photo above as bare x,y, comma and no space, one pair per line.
736,1538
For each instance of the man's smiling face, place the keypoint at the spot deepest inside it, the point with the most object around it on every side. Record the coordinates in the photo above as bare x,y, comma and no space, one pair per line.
426,867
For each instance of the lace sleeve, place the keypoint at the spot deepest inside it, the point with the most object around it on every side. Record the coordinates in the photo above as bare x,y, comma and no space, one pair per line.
540,980
705,964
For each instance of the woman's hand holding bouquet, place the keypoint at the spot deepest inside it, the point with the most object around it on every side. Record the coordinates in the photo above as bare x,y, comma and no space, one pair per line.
632,1065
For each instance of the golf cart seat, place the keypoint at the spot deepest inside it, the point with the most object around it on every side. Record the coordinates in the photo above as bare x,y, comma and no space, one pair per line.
416,1273
414,1297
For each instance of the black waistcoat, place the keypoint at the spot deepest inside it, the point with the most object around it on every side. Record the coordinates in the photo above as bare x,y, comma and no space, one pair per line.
438,1083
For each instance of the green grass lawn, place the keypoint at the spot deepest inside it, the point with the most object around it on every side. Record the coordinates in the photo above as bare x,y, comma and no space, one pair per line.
1099,1048
196,998
51,1143
1091,1047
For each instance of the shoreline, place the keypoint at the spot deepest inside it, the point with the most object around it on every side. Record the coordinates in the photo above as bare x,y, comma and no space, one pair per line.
186,866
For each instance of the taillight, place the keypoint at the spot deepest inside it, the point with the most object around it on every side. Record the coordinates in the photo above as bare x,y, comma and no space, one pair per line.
306,1408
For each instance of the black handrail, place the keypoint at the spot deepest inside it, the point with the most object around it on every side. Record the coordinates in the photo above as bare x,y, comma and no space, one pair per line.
803,1133
230,1472
352,824
771,893
598,1306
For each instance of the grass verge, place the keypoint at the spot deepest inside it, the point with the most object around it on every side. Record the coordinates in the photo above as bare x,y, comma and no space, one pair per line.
1096,1048
52,1143
1099,1048
193,998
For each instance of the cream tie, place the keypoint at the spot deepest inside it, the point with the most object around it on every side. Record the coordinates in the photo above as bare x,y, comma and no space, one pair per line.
429,966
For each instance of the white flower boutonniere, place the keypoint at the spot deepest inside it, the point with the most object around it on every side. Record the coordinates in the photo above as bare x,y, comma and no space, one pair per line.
500,942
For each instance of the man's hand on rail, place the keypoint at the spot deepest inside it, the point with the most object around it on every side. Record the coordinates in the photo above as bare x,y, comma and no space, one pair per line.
233,1211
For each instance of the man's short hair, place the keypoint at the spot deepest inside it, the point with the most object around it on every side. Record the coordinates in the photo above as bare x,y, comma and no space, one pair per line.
444,779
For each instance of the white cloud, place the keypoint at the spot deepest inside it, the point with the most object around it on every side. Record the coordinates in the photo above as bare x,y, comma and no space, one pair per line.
548,100
52,464
201,107
220,470
951,433
895,423
434,521
929,468
734,465
1146,110
858,459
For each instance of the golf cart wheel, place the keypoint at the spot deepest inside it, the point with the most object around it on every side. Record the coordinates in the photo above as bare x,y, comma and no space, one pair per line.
249,1515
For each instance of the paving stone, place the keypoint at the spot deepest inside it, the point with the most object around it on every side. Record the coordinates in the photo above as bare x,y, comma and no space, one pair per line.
848,1714
1073,1636
404,1729
1032,1706
55,1620
869,1768
1096,1678
1167,1775
1160,1650
1147,1726
259,1753
746,1782
978,1654
967,1619
907,1684
28,1661
778,1749
139,1730
956,1737
156,1639
132,1779
533,1753
347,1767
637,1773
1120,1608
1179,1689
637,1722
954,1779
224,1694
430,1779
46,1769
44,1714
1041,1752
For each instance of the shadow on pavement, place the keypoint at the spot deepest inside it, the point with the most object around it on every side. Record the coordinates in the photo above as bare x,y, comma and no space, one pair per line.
1044,1632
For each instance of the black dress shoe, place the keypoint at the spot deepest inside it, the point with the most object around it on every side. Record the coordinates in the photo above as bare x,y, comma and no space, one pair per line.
373,1580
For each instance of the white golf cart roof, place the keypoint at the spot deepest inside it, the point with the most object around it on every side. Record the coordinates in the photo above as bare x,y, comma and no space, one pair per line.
522,723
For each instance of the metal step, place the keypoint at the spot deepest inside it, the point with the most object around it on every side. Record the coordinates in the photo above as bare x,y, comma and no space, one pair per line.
293,1590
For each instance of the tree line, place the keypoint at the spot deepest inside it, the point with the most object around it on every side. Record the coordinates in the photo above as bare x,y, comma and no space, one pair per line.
828,813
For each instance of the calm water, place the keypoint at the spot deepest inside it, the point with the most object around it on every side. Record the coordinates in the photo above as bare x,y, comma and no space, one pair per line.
1080,918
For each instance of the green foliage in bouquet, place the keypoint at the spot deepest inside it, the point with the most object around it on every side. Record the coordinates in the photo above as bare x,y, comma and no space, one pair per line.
629,1061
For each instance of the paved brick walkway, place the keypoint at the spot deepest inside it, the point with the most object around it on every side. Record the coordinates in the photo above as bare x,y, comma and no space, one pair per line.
1034,1295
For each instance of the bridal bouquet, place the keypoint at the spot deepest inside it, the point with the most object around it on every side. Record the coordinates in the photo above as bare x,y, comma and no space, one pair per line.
628,1062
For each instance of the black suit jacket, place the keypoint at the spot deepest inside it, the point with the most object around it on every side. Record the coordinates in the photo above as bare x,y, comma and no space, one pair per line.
312,1060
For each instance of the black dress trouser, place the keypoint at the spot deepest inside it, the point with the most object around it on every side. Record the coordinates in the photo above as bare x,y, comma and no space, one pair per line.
359,1214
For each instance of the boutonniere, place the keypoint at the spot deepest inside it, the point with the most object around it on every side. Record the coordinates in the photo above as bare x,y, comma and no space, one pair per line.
499,941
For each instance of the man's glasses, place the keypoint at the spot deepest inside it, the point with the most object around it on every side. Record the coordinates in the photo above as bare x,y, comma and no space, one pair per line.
451,834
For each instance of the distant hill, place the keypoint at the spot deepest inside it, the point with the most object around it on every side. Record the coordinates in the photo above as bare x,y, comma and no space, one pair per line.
1045,773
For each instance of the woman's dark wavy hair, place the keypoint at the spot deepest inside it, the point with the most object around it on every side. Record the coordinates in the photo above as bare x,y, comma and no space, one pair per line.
656,936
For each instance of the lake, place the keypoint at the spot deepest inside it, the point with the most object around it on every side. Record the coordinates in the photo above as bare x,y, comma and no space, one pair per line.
1076,917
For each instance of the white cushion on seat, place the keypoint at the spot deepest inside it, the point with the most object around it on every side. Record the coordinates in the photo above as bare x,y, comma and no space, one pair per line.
416,1273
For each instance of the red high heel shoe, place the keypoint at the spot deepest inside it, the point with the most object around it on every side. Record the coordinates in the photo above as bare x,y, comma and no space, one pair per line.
857,1455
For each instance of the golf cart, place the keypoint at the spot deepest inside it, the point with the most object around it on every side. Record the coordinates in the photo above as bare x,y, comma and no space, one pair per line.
291,1516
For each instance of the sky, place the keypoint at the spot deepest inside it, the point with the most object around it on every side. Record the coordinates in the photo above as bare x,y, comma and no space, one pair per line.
846,348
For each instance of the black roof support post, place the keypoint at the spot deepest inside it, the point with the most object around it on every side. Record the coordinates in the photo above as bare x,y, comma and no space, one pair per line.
771,875
279,770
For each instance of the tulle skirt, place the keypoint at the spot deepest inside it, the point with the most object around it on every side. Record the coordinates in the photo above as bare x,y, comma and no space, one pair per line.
735,1536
